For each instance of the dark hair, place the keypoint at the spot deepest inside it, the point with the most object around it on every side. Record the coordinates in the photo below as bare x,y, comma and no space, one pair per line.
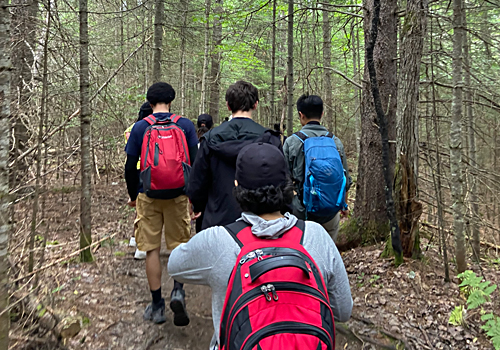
311,106
263,200
145,111
201,131
242,96
160,93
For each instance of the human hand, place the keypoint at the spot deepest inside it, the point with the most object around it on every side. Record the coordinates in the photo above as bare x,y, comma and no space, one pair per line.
195,216
344,213
131,203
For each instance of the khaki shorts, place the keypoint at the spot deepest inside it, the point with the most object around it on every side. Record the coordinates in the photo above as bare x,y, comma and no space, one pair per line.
155,214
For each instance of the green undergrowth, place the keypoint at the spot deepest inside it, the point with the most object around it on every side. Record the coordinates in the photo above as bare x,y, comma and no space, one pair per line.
478,293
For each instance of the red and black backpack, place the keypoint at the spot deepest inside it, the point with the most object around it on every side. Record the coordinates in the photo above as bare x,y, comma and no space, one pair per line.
165,163
276,296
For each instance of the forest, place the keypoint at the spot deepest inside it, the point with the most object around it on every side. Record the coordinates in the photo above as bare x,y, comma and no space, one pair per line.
411,87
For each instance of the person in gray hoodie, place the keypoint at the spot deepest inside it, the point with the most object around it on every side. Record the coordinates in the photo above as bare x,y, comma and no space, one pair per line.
209,257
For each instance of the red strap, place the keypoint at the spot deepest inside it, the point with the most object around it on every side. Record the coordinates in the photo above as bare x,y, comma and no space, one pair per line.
150,119
175,118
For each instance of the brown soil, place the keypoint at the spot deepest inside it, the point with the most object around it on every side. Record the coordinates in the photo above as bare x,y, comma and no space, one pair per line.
407,307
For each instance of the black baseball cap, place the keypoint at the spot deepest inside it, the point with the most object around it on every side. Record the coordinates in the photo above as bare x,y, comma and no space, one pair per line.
260,164
205,119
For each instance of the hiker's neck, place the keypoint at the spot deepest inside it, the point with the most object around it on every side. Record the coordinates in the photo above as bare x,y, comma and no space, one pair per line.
161,108
242,114
271,216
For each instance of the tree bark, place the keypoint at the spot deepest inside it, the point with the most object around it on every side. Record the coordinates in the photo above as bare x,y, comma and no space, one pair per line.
408,207
216,57
203,104
184,9
85,145
456,179
38,157
370,208
5,75
473,221
158,40
327,62
274,115
289,78
24,14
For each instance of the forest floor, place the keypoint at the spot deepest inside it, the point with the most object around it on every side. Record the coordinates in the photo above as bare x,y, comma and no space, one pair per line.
394,308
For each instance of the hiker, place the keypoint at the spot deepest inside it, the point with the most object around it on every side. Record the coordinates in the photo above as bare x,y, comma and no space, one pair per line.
300,153
261,246
211,184
144,111
165,143
277,128
204,124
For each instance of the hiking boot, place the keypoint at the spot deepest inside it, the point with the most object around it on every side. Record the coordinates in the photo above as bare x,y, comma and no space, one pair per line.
155,314
139,255
178,306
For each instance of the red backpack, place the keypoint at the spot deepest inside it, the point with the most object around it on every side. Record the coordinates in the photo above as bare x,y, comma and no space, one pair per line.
276,296
165,164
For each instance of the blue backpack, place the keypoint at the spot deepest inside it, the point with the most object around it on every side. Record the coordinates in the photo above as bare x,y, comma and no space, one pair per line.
324,176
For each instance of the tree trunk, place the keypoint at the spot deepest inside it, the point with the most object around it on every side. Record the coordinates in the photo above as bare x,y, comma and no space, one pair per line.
38,157
327,62
456,179
216,57
5,73
476,245
184,5
203,104
274,115
24,14
158,40
370,208
289,78
85,148
356,69
408,207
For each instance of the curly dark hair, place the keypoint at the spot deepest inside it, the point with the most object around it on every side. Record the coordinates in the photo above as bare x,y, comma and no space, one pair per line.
263,200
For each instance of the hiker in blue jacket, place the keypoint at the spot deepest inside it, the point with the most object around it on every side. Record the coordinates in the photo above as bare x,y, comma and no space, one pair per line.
310,109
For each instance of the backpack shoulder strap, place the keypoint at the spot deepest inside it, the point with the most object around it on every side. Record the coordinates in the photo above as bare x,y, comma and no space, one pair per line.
329,134
296,233
235,229
150,119
175,118
302,136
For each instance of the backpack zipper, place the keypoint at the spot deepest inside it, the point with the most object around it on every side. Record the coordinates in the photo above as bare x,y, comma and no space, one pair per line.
156,158
288,327
270,292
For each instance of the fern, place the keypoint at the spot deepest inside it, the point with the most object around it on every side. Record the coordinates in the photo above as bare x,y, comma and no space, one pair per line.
492,328
457,316
477,292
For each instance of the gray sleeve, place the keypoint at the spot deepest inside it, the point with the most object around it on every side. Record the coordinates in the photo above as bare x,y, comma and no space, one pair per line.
340,147
192,262
330,263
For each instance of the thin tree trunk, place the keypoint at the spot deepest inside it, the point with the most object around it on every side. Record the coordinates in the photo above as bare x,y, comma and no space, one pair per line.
290,70
183,55
274,116
327,62
38,157
355,65
216,57
158,41
408,207
476,245
203,104
456,179
85,148
5,75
